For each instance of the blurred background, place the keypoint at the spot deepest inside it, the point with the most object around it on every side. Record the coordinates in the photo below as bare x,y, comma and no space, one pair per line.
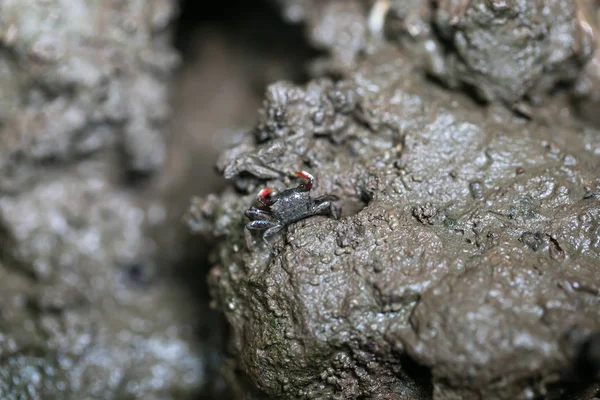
112,116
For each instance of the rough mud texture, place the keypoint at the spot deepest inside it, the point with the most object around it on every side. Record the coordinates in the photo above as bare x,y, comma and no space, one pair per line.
89,307
465,265
512,51
79,77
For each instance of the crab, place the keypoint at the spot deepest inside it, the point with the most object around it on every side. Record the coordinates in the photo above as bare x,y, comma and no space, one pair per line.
291,205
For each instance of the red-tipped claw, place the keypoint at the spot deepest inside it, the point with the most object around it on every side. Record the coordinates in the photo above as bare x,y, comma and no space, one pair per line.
307,177
264,196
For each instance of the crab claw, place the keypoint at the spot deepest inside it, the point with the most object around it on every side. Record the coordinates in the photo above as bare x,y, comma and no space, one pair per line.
264,196
307,177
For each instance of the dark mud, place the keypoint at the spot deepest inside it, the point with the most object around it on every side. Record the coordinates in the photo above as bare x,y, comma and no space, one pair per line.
516,52
103,295
466,262
87,307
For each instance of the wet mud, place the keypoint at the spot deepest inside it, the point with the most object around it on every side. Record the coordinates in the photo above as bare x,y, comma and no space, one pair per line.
466,262
111,117
462,141
88,307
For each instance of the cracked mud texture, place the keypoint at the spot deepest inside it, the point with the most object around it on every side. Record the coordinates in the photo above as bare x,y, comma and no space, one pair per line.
79,77
512,51
466,263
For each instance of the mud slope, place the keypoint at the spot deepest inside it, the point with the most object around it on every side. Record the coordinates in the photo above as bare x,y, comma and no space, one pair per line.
465,265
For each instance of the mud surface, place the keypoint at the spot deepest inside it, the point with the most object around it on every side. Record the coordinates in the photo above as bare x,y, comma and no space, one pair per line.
103,295
84,313
465,265
516,52
76,79
88,307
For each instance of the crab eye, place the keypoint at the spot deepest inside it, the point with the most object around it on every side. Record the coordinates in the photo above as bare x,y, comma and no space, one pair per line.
307,177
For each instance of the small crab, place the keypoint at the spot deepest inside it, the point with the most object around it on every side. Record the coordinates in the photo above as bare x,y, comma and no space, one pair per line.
289,206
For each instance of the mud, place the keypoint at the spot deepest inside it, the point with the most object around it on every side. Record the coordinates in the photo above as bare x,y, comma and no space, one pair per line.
516,52
89,305
85,311
465,265
103,295
587,88
92,301
80,79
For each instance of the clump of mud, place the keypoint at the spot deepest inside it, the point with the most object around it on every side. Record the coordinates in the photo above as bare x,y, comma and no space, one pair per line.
88,308
466,263
515,52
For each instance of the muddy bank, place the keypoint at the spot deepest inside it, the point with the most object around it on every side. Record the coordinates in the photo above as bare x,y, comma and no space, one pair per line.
466,261
469,235
89,308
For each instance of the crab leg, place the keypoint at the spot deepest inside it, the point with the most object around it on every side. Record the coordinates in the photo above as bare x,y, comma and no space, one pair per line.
257,214
327,207
260,225
270,232
326,197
